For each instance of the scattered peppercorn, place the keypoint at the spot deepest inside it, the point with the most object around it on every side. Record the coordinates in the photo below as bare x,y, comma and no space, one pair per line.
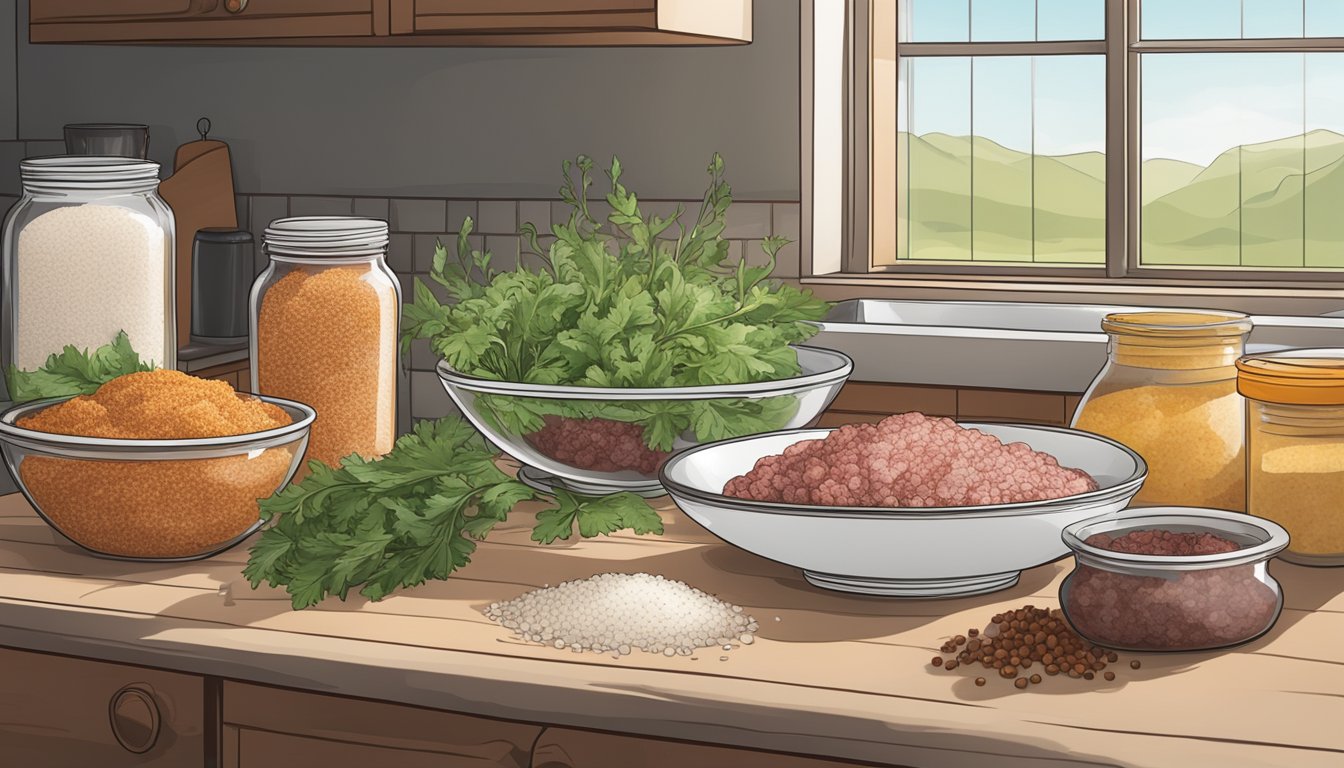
1134,664
937,661
1015,641
1109,675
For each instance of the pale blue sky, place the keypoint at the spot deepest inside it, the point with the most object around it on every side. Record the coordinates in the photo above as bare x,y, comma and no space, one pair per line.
1194,106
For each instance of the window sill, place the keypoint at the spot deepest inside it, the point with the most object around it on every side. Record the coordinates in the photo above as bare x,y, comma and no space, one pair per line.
1244,296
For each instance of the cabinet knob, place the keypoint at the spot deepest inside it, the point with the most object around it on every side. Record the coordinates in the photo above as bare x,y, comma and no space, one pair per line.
235,6
134,716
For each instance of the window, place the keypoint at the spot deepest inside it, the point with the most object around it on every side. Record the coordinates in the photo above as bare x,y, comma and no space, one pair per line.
1139,141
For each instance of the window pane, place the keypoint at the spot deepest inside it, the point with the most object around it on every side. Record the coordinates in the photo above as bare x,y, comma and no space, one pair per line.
937,21
938,175
1001,174
1271,18
1324,160
996,20
1222,160
1006,166
1190,19
1071,19
1325,18
1070,160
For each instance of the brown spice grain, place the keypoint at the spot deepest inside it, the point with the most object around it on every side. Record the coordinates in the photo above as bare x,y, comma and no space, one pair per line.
1191,436
162,508
158,405
327,338
154,509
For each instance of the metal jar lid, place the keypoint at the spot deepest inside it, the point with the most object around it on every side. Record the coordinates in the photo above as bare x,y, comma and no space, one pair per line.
326,237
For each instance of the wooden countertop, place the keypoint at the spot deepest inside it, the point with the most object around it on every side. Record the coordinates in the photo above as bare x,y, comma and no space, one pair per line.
829,674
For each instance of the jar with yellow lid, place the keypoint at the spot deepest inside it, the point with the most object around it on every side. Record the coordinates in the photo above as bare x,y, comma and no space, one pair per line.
1295,448
1168,390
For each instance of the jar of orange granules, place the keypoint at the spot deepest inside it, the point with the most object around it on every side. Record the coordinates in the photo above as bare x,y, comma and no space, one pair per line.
324,331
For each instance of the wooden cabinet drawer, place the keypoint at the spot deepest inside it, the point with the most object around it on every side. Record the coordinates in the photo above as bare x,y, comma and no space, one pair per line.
52,21
278,728
513,15
59,712
567,748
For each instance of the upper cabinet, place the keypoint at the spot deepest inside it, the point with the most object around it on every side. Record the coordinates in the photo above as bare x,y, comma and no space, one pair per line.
392,22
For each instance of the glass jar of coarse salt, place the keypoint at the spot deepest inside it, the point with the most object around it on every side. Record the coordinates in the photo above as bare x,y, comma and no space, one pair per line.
324,320
88,253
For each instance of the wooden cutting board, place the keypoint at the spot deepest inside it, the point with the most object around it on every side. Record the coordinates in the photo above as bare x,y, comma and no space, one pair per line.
200,192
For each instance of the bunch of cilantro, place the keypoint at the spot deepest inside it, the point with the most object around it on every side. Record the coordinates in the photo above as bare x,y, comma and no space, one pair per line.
628,305
413,515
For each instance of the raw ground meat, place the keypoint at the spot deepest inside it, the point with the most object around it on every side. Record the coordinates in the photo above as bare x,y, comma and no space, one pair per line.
601,445
908,460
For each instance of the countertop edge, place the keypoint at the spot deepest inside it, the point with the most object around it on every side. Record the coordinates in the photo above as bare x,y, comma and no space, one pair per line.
642,702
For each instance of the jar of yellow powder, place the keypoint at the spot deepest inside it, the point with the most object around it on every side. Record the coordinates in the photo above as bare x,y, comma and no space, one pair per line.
324,320
1295,443
1168,390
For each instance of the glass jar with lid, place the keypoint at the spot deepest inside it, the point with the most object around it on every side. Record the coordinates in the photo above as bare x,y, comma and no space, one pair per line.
324,318
1295,448
88,253
1168,390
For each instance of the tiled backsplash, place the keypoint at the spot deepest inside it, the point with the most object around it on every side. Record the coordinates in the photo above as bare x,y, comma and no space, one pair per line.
416,223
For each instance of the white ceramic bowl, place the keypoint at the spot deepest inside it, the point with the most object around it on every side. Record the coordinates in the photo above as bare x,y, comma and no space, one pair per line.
903,552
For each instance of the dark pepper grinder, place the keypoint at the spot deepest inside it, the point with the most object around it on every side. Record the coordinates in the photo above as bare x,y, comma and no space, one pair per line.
221,277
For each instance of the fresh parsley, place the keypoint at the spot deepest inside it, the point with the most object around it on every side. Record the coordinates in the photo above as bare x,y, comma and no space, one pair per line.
631,305
74,372
413,515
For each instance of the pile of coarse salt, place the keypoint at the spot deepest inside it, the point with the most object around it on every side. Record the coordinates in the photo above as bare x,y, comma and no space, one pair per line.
615,612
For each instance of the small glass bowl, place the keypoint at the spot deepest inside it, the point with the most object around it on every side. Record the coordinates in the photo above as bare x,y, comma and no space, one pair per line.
1149,602
152,500
590,440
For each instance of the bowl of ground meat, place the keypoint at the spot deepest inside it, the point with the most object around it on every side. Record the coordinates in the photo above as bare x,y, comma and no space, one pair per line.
156,465
913,506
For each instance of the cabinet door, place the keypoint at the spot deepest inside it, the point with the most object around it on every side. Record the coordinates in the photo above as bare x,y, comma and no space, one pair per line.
59,712
567,748
277,728
204,21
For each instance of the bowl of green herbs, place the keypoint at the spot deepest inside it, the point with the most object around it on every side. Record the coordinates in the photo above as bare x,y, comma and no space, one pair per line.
595,359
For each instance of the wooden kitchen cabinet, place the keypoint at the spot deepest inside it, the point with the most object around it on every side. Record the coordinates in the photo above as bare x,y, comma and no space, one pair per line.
60,712
568,748
392,22
278,728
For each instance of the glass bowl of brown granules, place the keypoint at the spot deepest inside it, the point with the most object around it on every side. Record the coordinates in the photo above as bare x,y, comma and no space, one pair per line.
156,465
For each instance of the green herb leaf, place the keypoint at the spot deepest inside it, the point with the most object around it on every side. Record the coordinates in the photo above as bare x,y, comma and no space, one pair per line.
72,372
599,516
394,522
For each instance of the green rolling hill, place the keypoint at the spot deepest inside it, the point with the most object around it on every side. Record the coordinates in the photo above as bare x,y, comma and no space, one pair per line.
1273,204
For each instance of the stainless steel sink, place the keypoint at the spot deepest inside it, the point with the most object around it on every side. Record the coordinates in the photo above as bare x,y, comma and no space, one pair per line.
1008,345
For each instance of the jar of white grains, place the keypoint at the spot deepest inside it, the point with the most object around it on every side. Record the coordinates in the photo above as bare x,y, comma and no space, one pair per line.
88,253
324,320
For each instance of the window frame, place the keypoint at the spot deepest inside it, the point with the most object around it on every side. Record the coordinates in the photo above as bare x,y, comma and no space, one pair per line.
837,87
